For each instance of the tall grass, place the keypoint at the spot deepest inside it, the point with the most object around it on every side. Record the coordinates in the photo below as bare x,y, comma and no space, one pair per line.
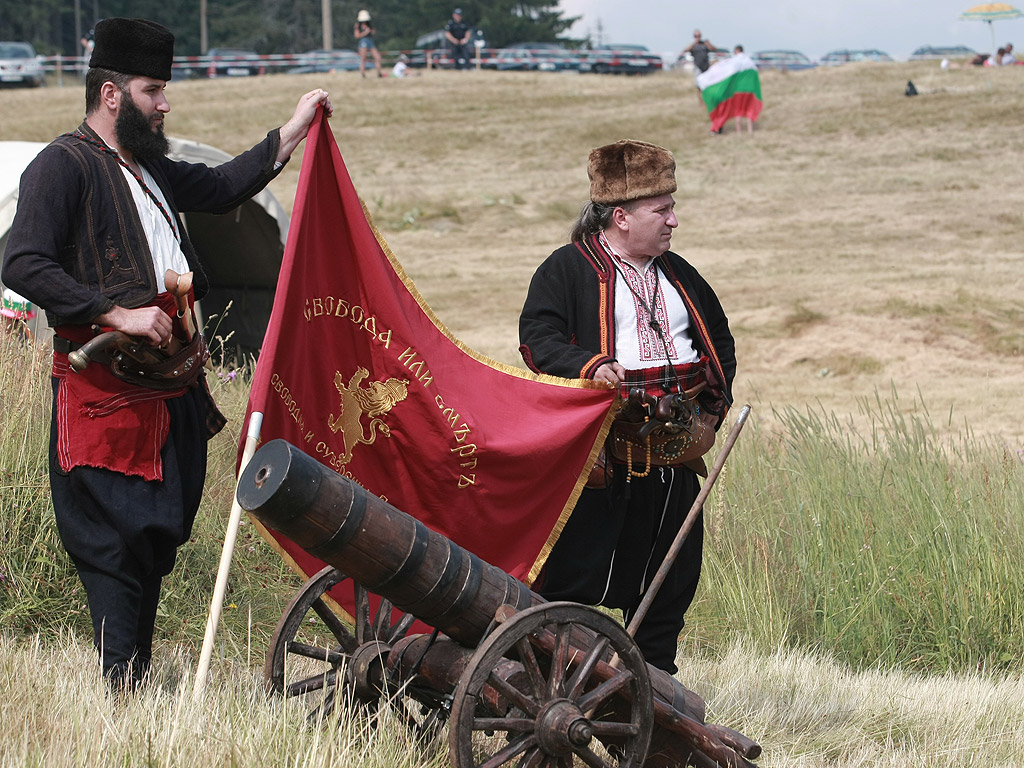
55,711
891,551
30,555
846,568
39,590
890,547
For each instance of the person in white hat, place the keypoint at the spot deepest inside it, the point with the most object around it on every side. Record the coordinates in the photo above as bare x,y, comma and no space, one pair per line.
363,32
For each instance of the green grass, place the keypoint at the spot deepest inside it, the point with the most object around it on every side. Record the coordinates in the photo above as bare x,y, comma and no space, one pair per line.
860,601
39,591
799,318
889,547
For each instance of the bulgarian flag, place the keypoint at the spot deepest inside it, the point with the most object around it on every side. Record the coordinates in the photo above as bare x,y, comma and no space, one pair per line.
731,88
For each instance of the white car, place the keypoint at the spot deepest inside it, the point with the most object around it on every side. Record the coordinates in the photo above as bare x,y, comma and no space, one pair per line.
19,65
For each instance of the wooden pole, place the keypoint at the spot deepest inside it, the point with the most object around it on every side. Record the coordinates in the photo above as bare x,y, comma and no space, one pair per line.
203,35
677,544
252,439
325,21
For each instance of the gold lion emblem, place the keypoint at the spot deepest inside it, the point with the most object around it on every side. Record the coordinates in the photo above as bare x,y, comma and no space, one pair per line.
374,401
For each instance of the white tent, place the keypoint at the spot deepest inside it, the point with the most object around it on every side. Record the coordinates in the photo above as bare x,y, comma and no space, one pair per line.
241,251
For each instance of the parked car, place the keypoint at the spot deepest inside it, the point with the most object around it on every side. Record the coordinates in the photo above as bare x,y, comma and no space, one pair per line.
787,60
835,58
927,52
233,62
19,65
621,59
336,60
538,57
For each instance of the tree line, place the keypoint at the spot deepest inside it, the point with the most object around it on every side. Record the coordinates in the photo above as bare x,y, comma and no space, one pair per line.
281,26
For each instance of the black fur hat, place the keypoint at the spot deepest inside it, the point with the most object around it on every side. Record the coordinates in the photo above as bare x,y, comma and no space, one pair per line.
134,47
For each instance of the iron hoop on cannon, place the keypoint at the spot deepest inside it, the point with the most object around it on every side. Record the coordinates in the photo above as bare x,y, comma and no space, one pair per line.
564,683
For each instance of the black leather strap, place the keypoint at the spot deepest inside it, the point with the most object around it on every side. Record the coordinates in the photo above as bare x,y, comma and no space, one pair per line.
64,346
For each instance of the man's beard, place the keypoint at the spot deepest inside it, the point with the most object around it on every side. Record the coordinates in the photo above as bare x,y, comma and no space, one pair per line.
136,135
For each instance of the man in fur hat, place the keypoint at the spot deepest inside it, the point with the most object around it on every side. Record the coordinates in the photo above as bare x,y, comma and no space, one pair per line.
616,305
98,225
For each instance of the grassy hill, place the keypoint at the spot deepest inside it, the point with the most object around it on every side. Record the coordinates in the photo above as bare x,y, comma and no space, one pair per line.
860,603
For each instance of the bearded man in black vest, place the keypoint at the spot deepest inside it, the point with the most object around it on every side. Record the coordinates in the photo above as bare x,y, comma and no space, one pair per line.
97,228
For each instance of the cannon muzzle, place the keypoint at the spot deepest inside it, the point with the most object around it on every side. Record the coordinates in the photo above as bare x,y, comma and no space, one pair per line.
387,551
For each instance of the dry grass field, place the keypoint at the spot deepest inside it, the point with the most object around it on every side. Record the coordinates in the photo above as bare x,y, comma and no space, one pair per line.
861,241
864,245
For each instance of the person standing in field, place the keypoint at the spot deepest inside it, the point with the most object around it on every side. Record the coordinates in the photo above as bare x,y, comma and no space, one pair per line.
458,33
363,33
97,233
616,305
700,49
16,311
739,55
88,42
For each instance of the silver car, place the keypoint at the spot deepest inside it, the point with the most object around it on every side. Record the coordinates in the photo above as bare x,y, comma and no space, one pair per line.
19,65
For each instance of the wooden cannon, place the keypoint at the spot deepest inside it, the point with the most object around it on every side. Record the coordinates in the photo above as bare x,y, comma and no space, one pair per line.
521,681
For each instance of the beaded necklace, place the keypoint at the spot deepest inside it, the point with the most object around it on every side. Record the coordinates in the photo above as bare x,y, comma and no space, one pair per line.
120,161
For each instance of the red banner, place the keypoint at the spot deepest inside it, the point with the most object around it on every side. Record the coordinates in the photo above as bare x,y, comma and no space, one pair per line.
357,371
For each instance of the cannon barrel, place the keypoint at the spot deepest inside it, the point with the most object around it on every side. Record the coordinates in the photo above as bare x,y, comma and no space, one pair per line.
425,574
387,551
394,555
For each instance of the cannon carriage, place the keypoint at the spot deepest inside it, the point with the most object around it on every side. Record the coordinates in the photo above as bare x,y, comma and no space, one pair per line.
519,680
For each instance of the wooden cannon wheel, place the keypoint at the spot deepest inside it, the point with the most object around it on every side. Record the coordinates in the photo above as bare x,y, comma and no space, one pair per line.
313,652
565,707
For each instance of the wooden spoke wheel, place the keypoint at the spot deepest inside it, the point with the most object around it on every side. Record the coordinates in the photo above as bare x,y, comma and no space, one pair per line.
314,653
564,705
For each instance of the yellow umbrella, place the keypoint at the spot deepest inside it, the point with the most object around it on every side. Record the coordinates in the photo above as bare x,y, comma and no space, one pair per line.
989,12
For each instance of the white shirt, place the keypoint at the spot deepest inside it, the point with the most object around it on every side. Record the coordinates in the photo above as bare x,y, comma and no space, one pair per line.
163,241
637,345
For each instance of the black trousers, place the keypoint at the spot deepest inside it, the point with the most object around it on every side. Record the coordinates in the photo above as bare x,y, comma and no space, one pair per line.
123,532
461,56
616,540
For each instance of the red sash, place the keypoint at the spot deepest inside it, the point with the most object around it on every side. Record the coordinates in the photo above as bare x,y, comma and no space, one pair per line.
104,422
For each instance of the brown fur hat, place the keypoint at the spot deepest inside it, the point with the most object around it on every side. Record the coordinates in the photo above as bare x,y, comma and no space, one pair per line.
630,170
134,47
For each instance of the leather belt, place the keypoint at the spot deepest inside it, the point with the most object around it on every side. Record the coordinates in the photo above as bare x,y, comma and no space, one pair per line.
64,346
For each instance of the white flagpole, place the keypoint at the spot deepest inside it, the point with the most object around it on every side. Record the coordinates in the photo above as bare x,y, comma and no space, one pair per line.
252,439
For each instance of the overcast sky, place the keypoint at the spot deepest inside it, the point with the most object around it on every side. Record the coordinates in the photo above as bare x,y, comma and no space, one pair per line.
814,27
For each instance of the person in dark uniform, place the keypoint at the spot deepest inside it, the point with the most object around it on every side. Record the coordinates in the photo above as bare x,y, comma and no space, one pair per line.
96,230
458,33
617,305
